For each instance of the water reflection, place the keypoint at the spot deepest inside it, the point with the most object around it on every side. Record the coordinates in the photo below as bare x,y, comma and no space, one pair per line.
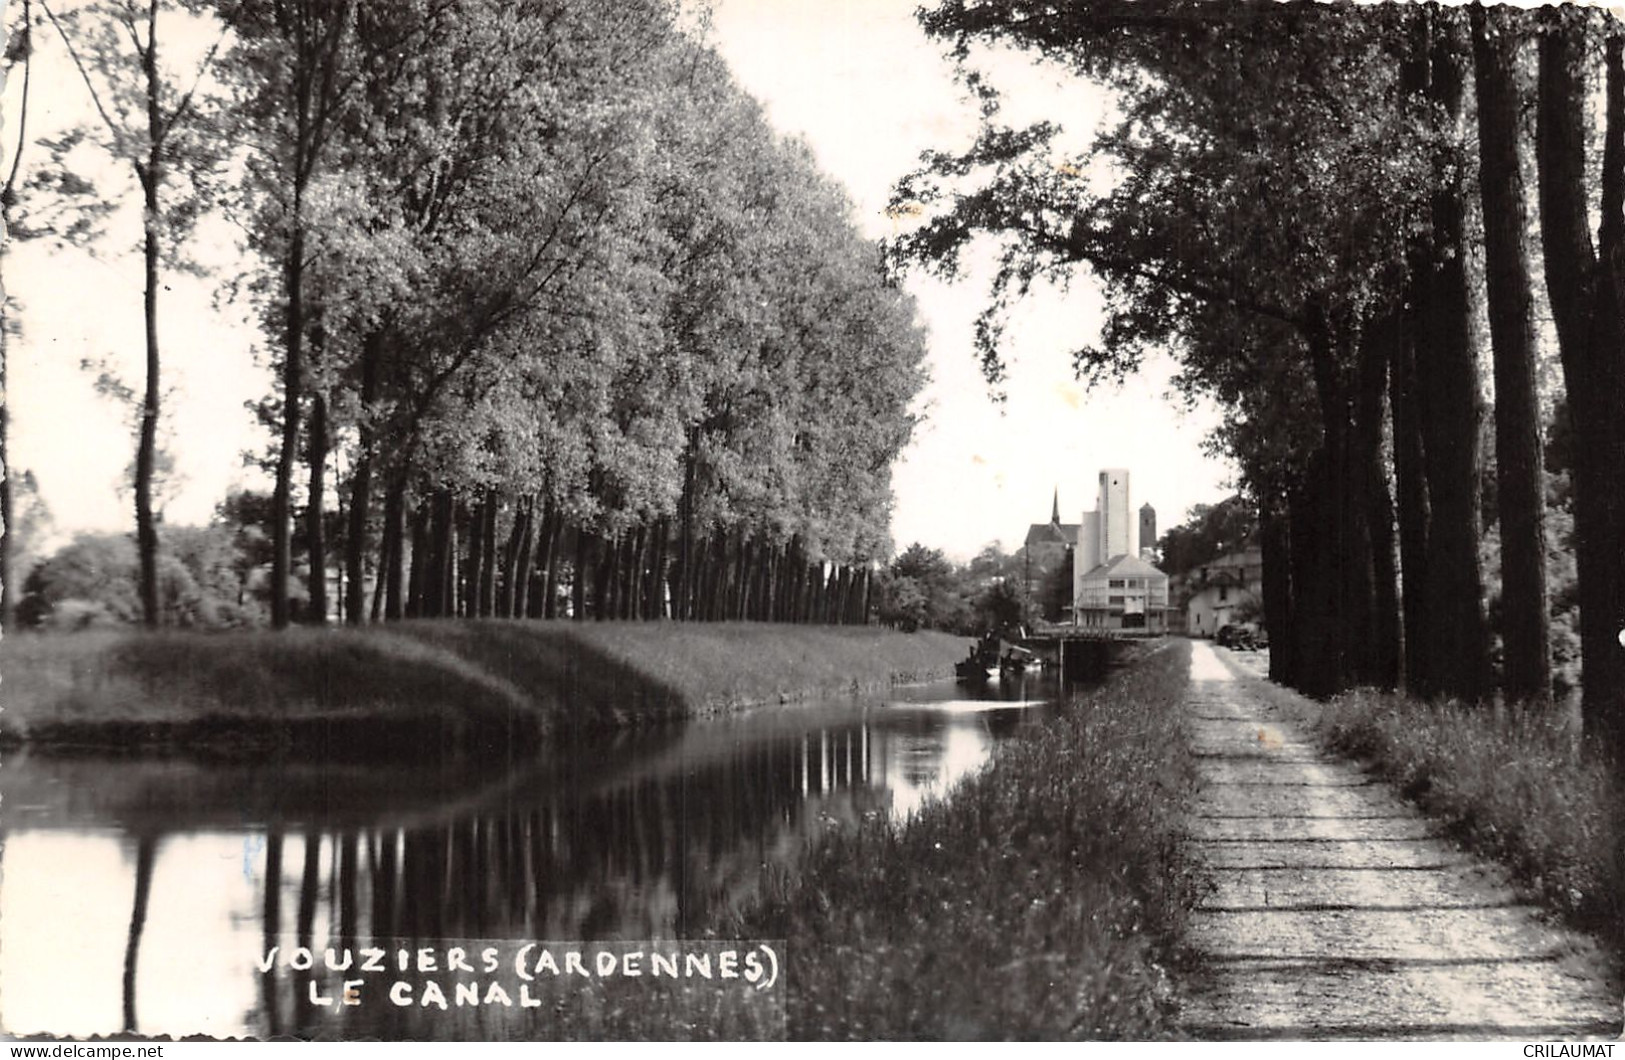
139,895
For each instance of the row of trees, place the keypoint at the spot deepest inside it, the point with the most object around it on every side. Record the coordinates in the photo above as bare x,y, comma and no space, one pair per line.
213,577
539,278
1327,211
922,589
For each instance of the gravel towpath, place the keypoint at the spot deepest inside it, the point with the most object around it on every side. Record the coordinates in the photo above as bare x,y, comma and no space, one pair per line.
1339,912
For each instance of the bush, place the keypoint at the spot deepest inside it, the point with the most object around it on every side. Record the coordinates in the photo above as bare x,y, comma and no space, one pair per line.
95,581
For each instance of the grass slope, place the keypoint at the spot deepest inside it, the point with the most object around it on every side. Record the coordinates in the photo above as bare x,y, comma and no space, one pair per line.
418,689
1042,899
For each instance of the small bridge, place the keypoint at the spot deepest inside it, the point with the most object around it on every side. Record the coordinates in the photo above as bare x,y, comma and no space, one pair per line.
1080,652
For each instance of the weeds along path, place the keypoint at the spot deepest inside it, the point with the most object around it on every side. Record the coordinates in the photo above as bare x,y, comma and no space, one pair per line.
1339,912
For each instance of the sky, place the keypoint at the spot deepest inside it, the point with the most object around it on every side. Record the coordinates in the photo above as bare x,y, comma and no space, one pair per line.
860,83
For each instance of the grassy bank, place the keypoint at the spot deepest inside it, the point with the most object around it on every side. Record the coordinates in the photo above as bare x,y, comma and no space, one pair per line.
418,689
1043,899
1507,783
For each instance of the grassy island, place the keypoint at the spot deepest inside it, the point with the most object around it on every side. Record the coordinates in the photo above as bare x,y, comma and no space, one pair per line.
426,688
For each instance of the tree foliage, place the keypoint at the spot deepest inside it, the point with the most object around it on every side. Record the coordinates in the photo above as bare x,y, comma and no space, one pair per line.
1209,532
548,280
94,581
1294,209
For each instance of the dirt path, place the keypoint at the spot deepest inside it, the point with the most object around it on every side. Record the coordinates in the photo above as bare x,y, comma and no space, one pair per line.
1339,913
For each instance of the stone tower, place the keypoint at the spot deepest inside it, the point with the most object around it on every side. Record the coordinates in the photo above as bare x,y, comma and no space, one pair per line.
1113,507
1148,527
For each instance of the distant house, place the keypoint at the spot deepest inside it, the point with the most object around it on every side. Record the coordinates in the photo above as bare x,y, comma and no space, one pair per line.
1209,596
1125,592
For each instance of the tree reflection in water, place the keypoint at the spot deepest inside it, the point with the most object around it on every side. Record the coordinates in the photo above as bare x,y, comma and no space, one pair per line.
655,839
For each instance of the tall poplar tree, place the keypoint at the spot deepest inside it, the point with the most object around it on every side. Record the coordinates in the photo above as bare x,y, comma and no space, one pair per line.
1519,467
152,121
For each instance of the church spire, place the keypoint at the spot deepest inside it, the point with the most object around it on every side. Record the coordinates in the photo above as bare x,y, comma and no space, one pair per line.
1055,512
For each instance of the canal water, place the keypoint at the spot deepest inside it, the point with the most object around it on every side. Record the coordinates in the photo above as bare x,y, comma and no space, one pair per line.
168,896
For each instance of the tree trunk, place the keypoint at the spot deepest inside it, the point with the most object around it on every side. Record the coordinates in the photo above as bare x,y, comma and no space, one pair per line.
1379,636
637,585
761,556
716,576
417,603
553,531
292,382
394,540
686,586
384,562
605,583
355,548
704,575
739,580
454,574
316,512
621,575
510,563
750,574
439,588
845,604
774,560
488,573
578,578
1520,473
478,558
524,561
339,596
1414,515
1586,307
1332,588
1451,413
1310,637
146,525
8,536
539,598
1275,544
662,570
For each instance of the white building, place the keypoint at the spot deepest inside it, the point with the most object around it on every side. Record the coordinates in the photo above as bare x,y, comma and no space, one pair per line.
1124,593
1212,595
1112,587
